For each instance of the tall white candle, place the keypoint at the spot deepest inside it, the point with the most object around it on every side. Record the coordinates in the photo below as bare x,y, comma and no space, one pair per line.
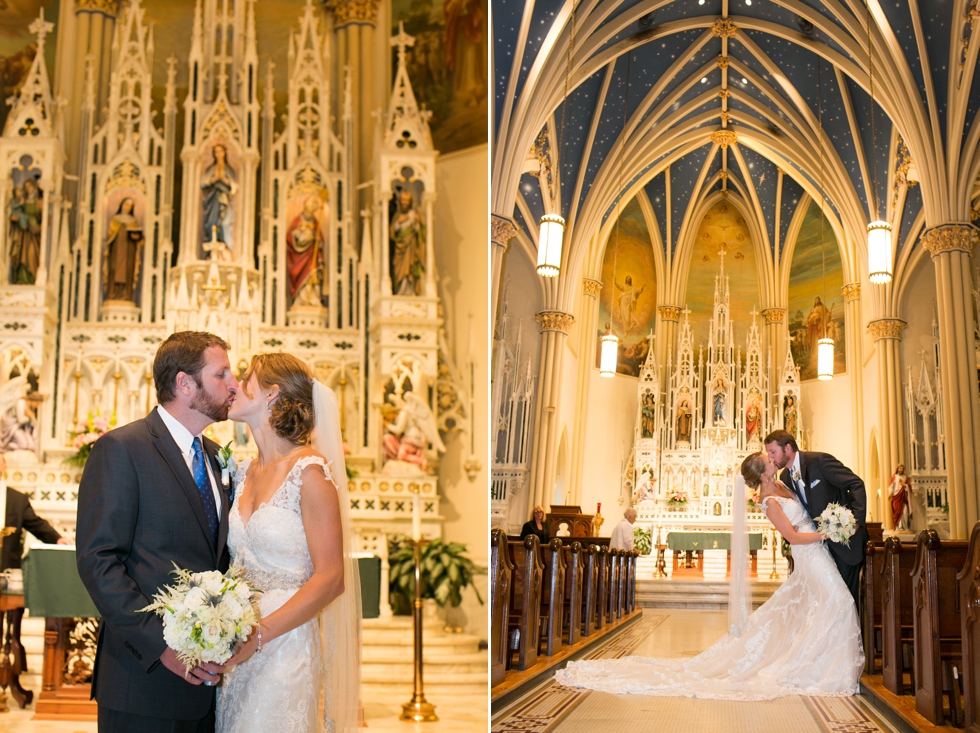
416,518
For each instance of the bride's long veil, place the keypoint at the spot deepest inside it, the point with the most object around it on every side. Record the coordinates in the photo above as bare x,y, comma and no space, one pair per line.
340,622
739,589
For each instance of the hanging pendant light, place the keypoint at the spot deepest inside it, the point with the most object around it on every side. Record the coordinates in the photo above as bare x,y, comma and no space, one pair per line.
880,252
609,355
825,346
551,228
825,359
879,231
549,245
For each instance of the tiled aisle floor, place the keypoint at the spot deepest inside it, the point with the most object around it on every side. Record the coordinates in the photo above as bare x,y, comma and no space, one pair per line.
457,714
677,633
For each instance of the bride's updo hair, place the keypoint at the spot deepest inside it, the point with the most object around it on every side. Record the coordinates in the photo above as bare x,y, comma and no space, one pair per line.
291,413
752,469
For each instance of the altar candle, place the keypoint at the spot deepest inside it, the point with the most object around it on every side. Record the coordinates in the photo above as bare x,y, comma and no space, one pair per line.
598,508
416,518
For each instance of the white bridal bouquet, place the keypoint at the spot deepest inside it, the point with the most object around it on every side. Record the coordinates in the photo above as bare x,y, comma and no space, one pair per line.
205,615
837,524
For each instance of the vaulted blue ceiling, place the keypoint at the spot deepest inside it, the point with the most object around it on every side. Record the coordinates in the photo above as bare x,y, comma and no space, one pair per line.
649,83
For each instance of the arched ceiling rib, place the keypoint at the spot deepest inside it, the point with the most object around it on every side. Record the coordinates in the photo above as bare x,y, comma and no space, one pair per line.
691,69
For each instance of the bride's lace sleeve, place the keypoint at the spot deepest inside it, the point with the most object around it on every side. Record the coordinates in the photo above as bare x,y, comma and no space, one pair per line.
239,478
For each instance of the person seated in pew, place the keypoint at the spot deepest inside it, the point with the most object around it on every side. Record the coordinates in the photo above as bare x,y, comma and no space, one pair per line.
536,526
622,534
19,515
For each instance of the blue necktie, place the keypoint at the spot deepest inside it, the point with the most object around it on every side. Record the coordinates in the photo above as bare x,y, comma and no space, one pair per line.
200,472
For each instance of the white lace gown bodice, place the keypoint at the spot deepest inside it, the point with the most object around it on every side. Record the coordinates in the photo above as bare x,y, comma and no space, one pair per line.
277,690
805,640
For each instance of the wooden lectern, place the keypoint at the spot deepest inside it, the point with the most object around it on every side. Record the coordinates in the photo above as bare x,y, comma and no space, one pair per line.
576,523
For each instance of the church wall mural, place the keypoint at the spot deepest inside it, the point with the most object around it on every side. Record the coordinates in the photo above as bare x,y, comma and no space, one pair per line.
722,227
448,66
816,304
628,299
17,46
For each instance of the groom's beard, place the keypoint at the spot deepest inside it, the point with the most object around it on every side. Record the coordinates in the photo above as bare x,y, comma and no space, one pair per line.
211,406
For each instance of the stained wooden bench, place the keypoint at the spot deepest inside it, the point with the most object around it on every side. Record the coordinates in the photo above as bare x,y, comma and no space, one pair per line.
936,625
896,620
501,578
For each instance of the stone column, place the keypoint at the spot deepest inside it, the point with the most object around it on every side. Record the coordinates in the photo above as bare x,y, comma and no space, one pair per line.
853,349
774,335
554,329
502,230
951,246
668,317
92,28
887,336
586,365
354,23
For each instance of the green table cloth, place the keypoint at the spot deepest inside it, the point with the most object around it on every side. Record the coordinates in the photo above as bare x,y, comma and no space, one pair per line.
683,541
52,588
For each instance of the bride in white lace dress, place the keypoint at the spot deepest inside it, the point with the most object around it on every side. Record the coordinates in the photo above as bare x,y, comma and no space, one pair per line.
805,640
288,529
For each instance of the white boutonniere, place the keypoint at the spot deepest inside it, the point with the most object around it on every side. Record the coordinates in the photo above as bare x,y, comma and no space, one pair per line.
226,459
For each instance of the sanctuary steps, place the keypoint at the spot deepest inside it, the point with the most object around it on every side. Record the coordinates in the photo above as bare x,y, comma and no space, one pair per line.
692,593
453,663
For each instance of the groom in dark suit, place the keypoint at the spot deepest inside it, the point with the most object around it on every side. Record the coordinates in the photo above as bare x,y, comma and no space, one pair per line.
151,496
819,479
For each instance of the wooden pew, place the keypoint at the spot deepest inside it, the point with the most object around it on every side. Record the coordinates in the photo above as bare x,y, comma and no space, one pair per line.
630,599
552,597
614,582
602,596
896,621
590,588
525,602
936,624
624,582
501,578
968,584
574,576
871,604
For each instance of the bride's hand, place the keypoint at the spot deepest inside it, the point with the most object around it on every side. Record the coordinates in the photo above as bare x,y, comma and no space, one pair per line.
244,651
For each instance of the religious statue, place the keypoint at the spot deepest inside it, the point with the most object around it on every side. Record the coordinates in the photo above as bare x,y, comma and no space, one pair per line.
123,253
718,402
18,416
24,232
900,494
409,434
627,305
648,416
645,488
304,255
789,415
407,235
684,421
753,417
218,185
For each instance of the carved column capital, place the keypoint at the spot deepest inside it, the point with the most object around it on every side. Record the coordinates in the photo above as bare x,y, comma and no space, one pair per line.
106,7
555,321
591,287
670,312
502,230
954,237
774,315
353,11
724,138
887,328
852,292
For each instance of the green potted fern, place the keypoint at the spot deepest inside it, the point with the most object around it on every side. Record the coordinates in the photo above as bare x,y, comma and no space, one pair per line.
446,571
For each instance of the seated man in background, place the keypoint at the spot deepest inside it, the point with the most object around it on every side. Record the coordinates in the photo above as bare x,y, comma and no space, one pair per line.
19,515
622,535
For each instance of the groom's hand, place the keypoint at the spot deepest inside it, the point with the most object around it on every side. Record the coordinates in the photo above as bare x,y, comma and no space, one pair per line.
206,672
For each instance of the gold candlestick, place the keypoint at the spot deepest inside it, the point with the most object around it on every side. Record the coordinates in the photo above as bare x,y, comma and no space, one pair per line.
774,575
417,709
